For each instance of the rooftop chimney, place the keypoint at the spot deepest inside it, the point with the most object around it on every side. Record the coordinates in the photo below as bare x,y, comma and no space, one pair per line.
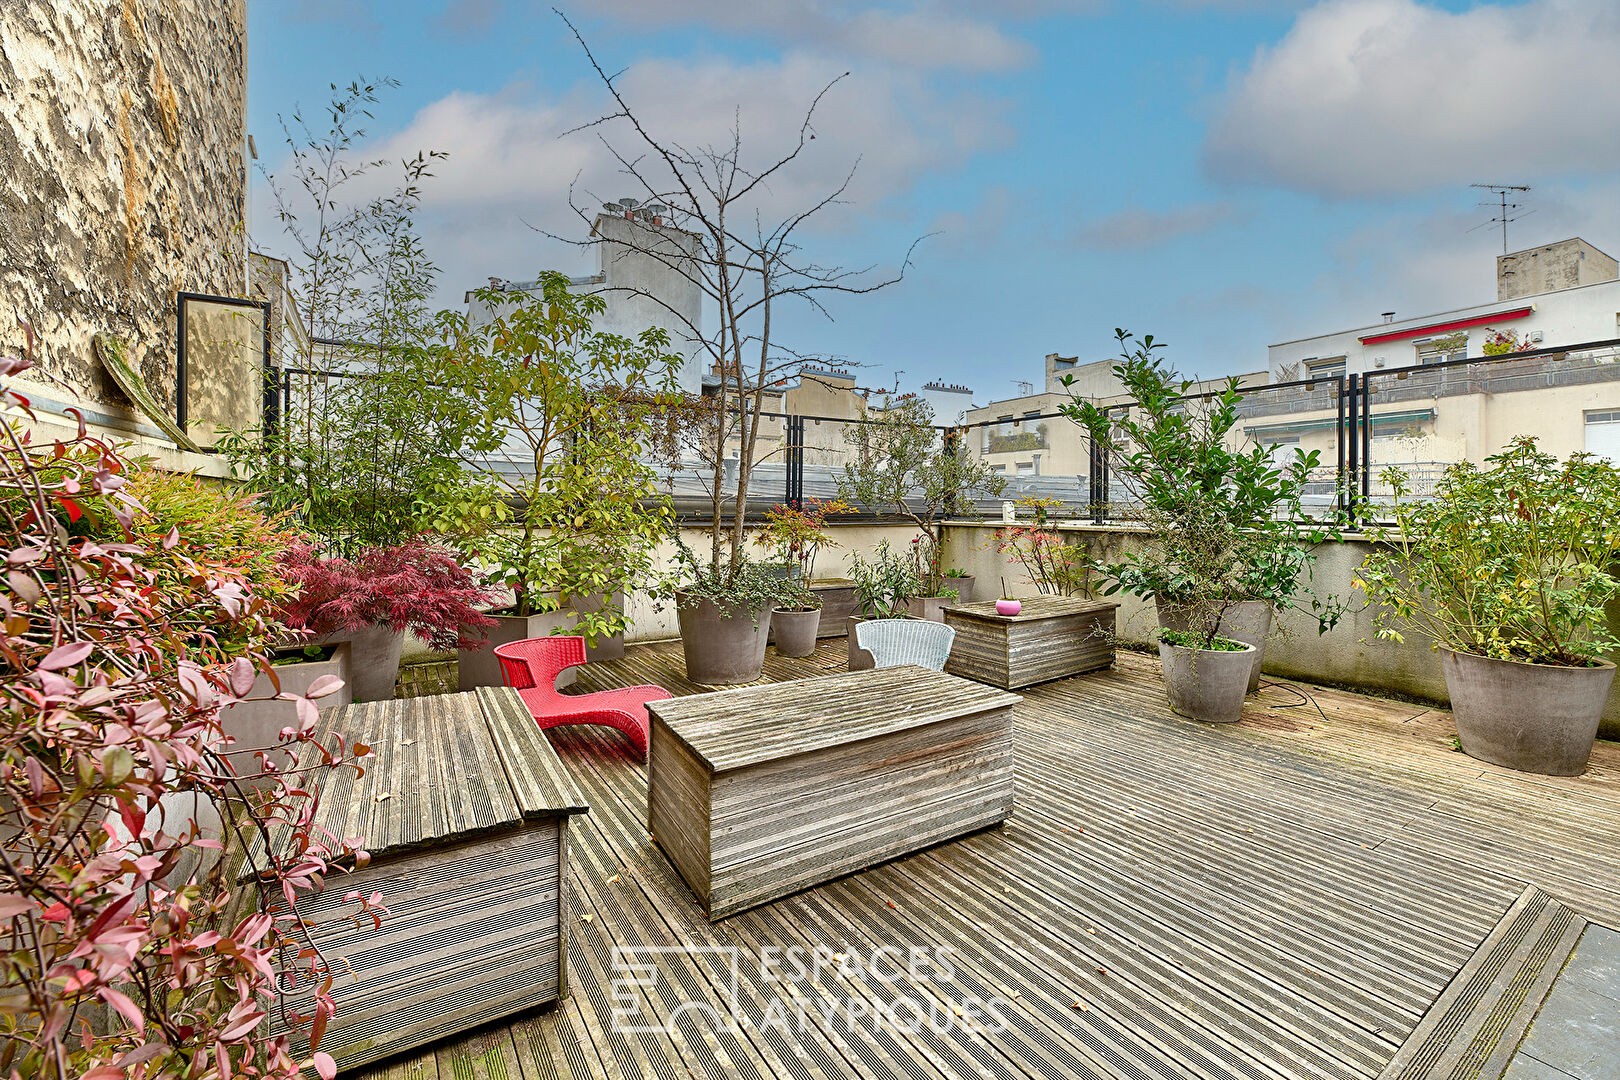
1564,265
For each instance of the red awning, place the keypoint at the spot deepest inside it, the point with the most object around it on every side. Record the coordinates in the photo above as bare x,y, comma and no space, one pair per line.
1448,327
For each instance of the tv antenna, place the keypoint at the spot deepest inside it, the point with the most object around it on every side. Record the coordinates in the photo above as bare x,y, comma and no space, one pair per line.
1025,387
1504,207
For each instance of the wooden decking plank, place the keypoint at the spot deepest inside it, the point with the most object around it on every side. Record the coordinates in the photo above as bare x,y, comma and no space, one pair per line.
1181,832
683,923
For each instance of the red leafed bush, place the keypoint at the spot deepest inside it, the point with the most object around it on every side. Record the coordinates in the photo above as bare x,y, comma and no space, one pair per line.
415,586
129,949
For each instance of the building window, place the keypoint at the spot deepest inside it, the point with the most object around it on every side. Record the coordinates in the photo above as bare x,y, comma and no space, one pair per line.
1438,350
1603,434
1330,368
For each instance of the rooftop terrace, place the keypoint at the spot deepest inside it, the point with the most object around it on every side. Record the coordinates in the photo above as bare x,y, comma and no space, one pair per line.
1302,895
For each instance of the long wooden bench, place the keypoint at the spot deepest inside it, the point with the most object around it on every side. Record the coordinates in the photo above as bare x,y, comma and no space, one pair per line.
465,810
760,792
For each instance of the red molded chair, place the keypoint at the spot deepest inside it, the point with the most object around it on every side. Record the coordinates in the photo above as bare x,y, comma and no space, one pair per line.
531,668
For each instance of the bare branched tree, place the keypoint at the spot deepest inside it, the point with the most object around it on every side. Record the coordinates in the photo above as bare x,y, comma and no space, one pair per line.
701,213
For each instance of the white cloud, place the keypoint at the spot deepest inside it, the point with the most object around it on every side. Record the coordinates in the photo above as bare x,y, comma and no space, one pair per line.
508,168
1141,228
1368,98
921,36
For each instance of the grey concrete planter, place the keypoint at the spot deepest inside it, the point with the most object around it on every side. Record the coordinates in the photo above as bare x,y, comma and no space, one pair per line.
610,648
481,667
1531,717
1206,684
963,587
1248,621
837,597
722,646
931,608
795,631
859,658
255,724
374,660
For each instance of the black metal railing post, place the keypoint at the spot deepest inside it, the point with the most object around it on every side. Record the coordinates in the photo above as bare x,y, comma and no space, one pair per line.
1351,433
795,461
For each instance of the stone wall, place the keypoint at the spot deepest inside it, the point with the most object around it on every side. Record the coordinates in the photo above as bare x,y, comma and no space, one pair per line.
122,177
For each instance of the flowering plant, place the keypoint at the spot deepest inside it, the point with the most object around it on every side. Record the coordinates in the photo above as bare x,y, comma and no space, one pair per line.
414,586
799,532
1052,564
1502,342
125,953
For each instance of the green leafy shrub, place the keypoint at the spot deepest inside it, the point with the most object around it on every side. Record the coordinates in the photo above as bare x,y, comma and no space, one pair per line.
1512,561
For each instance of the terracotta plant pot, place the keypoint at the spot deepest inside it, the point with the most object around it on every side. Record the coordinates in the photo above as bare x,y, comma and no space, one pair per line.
1206,684
1248,621
1004,606
373,659
795,631
481,667
859,658
1532,717
256,723
723,646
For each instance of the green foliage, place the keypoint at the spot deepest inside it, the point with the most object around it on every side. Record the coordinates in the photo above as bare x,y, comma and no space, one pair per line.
352,457
1189,639
885,582
1222,518
553,417
745,587
902,464
798,596
1513,561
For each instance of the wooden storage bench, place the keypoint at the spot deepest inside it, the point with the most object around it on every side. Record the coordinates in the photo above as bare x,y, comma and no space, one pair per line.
1051,637
760,792
465,810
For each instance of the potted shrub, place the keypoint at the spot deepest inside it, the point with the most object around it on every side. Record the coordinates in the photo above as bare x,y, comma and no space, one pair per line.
551,420
1506,570
961,582
375,599
796,621
725,617
1206,676
901,463
1225,545
1054,565
885,586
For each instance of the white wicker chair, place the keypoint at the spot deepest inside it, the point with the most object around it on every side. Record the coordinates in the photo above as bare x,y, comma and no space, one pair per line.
898,642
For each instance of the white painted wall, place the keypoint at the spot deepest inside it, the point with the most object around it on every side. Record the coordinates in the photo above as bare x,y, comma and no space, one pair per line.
1565,317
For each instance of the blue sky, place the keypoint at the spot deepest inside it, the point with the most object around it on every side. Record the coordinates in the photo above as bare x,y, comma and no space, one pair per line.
1221,173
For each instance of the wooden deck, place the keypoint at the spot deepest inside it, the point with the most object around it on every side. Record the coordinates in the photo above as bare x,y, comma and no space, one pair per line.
1282,898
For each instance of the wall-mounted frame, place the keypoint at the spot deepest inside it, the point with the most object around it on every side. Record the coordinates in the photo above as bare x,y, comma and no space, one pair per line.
224,373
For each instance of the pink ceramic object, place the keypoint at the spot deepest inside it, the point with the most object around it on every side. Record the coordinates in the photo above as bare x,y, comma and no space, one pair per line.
1008,607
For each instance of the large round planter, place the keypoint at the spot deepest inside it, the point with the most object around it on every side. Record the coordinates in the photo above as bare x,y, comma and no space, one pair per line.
609,648
795,631
373,660
1206,684
1532,717
1248,621
723,646
963,586
481,667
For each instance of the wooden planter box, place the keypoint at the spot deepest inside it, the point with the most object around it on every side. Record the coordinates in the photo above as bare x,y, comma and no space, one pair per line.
1053,636
760,792
465,812
837,602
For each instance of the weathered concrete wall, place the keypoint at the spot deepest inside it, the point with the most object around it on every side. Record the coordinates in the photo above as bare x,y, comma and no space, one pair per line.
122,176
1348,655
